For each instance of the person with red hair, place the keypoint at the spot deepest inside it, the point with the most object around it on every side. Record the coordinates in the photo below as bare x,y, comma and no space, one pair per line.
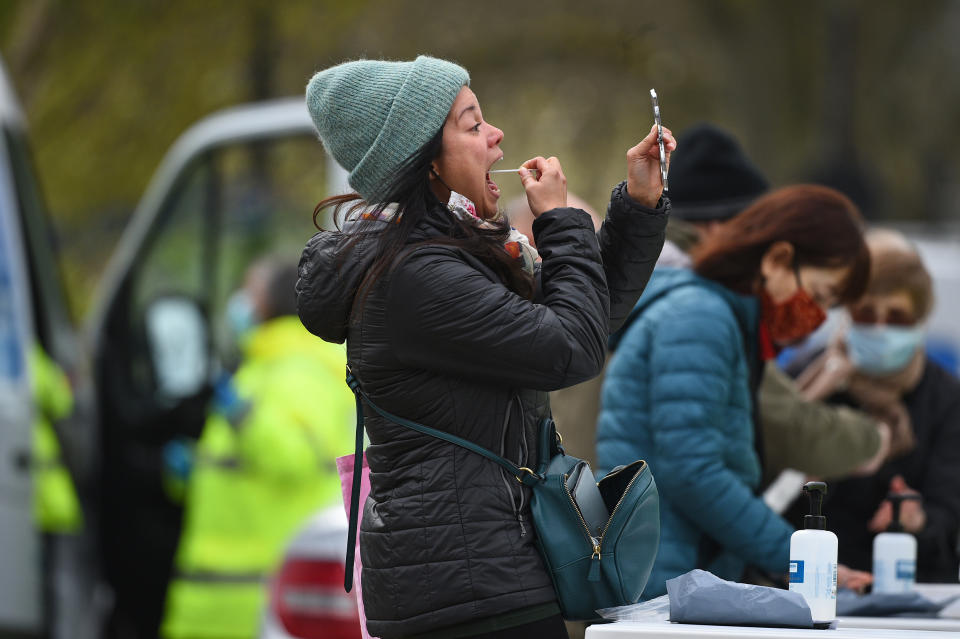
681,387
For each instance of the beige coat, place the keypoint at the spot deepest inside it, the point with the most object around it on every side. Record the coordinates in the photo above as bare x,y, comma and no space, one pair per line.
813,437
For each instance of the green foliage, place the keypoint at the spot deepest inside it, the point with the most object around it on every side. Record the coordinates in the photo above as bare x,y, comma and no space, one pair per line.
809,87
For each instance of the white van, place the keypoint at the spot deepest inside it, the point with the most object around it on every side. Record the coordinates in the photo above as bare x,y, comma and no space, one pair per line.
33,310
239,184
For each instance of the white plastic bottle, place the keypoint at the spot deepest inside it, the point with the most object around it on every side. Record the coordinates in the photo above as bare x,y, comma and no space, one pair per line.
895,554
813,559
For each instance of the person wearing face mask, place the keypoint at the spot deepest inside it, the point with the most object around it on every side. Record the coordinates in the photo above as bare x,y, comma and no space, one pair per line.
452,322
264,463
712,181
879,364
681,385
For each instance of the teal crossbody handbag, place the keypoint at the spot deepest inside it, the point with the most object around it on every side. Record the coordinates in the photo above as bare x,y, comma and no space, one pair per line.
593,564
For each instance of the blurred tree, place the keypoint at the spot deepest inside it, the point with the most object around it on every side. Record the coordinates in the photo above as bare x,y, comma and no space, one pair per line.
845,89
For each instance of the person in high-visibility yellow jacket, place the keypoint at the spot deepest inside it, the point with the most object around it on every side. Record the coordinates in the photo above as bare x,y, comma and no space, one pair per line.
56,508
264,463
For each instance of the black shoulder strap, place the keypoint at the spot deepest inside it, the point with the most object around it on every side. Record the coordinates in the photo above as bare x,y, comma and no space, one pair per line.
355,494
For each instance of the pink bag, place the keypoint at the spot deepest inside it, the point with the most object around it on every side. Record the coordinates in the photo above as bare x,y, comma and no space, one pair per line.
345,468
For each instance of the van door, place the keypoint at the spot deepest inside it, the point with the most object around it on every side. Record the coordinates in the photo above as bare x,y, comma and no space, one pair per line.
20,599
67,563
231,201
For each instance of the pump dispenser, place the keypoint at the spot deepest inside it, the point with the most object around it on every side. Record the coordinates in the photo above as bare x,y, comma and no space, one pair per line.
895,553
813,559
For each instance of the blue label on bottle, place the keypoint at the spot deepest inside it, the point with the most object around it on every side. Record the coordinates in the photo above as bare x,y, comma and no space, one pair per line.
796,571
906,569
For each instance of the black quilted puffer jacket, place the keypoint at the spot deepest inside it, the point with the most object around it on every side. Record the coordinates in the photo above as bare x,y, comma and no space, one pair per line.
446,536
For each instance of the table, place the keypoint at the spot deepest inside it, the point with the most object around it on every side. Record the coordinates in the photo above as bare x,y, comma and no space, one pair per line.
667,630
941,592
938,592
900,623
948,625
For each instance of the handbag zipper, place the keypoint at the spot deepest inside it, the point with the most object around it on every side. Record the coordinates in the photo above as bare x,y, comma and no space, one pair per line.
597,542
620,501
594,573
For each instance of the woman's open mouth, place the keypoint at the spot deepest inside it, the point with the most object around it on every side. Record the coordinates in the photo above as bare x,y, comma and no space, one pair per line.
492,186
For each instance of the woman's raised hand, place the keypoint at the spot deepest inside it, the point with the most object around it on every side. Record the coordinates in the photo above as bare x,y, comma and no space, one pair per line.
549,190
643,167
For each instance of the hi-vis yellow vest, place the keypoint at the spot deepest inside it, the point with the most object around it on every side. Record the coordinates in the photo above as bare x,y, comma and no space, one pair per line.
56,508
257,478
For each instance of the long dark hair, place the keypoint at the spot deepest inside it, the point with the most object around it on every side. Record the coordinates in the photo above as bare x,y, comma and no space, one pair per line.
823,225
415,200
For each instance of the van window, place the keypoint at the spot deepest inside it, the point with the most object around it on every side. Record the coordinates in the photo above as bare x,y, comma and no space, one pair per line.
176,261
51,317
231,205
182,241
269,190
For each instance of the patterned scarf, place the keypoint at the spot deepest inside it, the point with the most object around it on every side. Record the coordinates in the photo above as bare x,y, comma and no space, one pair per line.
517,245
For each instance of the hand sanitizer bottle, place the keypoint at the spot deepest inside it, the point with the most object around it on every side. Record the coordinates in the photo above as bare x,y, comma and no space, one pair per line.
813,559
895,553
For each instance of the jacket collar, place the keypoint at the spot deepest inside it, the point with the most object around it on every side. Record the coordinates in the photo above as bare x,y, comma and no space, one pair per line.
746,308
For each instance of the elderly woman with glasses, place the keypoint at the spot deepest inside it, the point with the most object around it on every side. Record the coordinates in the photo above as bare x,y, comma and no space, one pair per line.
880,365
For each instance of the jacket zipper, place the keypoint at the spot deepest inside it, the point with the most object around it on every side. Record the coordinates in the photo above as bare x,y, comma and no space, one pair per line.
597,542
523,459
507,483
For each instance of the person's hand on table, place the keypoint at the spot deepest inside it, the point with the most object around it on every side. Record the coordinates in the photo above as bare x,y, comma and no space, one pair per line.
856,580
912,515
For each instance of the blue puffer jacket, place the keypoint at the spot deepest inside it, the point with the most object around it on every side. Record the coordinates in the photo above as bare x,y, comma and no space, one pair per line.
677,394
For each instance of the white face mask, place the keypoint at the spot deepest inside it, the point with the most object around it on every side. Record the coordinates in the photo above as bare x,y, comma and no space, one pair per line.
240,313
883,350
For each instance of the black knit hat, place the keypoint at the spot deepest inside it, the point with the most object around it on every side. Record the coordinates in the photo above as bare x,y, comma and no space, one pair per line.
711,178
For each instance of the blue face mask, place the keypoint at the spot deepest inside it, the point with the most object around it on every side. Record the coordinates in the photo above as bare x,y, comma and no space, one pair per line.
241,315
883,350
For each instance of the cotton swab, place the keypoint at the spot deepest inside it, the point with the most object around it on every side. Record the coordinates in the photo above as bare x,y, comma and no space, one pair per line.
512,170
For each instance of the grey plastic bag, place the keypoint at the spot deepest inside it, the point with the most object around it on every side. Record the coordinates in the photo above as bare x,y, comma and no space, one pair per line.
703,598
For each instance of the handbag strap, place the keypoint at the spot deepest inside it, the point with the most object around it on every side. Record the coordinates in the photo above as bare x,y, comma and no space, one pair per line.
522,474
354,497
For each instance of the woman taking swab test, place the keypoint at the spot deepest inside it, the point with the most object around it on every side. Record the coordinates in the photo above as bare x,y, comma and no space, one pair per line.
449,322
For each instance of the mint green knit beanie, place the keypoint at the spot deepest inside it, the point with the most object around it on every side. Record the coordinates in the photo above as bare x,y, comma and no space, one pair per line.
372,115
